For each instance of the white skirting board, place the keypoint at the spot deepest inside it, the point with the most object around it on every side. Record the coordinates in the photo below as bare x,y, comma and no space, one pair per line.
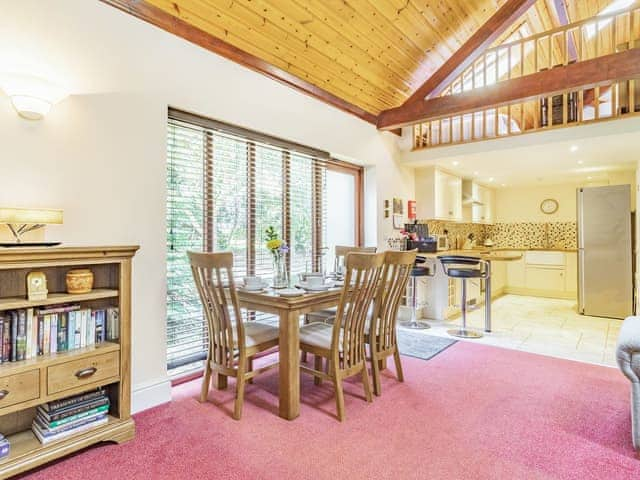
150,394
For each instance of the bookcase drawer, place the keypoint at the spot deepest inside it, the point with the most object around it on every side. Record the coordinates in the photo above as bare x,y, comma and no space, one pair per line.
20,387
87,370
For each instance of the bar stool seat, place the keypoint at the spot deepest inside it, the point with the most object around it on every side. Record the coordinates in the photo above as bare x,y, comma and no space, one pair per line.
464,268
416,272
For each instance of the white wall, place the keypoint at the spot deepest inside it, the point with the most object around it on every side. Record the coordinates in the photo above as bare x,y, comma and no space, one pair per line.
100,154
522,204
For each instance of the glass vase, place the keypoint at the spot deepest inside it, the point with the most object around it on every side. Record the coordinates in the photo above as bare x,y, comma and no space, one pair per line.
280,276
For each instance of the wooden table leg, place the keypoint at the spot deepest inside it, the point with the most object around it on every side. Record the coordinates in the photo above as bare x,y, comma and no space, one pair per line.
289,368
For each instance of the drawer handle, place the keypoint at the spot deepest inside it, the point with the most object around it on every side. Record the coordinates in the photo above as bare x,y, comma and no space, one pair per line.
3,393
86,372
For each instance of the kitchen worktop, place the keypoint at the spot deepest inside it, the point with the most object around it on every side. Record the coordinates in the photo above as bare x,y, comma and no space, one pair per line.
484,254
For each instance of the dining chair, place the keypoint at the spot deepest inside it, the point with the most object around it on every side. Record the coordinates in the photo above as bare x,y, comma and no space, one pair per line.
341,251
380,332
342,344
232,342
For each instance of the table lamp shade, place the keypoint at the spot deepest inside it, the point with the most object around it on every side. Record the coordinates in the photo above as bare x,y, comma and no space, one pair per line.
23,220
30,216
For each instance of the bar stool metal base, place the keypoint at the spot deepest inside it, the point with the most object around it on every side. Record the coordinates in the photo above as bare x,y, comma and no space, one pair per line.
464,333
415,325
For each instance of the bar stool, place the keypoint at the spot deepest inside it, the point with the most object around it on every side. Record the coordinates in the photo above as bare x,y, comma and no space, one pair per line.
416,272
464,268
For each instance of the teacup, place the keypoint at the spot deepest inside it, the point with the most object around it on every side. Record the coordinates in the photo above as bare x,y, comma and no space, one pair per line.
253,282
315,281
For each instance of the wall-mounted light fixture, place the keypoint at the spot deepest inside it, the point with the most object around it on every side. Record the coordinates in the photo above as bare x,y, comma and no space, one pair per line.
32,97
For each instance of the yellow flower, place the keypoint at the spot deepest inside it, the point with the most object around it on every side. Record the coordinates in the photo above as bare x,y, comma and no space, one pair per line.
273,244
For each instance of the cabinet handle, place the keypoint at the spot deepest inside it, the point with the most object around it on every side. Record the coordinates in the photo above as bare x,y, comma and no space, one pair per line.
3,393
86,372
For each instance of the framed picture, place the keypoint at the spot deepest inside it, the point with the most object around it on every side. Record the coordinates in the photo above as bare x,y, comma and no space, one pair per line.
398,221
397,206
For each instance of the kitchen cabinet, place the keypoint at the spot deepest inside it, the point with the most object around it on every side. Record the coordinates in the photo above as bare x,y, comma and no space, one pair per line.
498,277
543,273
571,275
545,278
516,274
438,195
477,202
482,212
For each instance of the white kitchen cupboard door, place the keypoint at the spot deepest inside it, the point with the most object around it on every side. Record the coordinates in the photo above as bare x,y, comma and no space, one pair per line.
516,273
542,278
483,212
438,195
571,272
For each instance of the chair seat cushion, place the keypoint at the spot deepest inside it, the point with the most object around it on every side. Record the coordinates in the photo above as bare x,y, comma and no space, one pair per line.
256,333
317,334
326,315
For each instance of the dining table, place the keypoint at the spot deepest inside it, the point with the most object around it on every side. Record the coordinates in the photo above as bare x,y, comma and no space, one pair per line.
289,310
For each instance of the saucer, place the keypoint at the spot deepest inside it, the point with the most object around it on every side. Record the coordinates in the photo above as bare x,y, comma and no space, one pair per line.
257,288
290,292
316,288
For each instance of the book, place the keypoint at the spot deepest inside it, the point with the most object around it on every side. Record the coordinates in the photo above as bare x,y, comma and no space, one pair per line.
6,339
50,416
91,330
47,334
30,343
77,330
4,447
71,330
57,309
78,416
49,431
1,338
58,436
14,335
21,335
53,345
113,323
100,325
62,332
40,335
58,405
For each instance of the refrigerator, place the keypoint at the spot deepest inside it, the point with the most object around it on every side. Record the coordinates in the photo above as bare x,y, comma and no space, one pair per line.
605,276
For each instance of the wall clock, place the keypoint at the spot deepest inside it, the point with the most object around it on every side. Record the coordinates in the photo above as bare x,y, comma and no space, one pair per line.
549,206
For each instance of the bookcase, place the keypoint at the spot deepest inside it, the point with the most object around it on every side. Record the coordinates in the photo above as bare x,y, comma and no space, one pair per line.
28,383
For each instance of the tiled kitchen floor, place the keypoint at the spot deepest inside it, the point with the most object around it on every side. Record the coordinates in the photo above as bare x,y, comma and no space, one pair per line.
543,325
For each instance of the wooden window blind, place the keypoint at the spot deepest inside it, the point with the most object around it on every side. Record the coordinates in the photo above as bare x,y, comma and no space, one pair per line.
225,186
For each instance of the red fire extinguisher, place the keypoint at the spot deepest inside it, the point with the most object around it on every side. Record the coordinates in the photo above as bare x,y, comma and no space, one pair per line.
411,209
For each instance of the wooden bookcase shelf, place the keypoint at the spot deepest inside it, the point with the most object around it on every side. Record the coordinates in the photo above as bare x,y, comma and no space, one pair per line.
32,382
14,303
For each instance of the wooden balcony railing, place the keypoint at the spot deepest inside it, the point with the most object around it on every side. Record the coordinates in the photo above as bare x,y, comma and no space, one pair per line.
577,42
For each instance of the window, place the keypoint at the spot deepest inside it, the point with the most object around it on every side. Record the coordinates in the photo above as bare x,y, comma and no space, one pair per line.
226,185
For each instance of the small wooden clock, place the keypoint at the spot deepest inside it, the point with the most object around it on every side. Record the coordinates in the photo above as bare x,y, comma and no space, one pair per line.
549,206
36,286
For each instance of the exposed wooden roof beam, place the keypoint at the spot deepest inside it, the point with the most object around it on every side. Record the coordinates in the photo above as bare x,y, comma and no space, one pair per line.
171,24
471,50
586,74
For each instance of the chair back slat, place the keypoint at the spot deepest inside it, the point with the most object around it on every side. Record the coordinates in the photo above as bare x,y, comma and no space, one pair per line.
212,274
395,276
341,252
362,275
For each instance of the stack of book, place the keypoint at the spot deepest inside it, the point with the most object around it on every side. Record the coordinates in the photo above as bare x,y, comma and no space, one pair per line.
62,418
4,446
29,332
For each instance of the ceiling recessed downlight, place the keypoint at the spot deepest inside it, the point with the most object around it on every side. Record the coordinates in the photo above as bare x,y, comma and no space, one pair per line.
455,163
580,162
574,148
491,179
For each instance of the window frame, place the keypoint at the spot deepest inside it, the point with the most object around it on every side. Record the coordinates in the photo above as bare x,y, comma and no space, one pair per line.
357,172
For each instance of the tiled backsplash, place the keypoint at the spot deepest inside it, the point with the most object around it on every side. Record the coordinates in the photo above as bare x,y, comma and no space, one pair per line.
533,235
510,235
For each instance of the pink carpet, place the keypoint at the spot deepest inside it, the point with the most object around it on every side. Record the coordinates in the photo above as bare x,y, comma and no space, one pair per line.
472,412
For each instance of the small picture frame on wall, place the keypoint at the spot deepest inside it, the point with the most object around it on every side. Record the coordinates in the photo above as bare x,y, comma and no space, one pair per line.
398,221
397,206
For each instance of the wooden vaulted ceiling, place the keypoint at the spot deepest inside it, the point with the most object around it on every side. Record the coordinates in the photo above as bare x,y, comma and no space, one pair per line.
364,56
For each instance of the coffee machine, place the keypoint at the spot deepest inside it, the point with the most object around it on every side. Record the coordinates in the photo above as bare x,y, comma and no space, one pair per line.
423,242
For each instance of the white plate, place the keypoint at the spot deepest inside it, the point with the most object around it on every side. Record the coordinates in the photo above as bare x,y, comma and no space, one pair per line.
290,292
316,288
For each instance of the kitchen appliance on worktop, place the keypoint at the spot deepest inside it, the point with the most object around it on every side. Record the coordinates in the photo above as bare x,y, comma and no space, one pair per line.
419,238
605,276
